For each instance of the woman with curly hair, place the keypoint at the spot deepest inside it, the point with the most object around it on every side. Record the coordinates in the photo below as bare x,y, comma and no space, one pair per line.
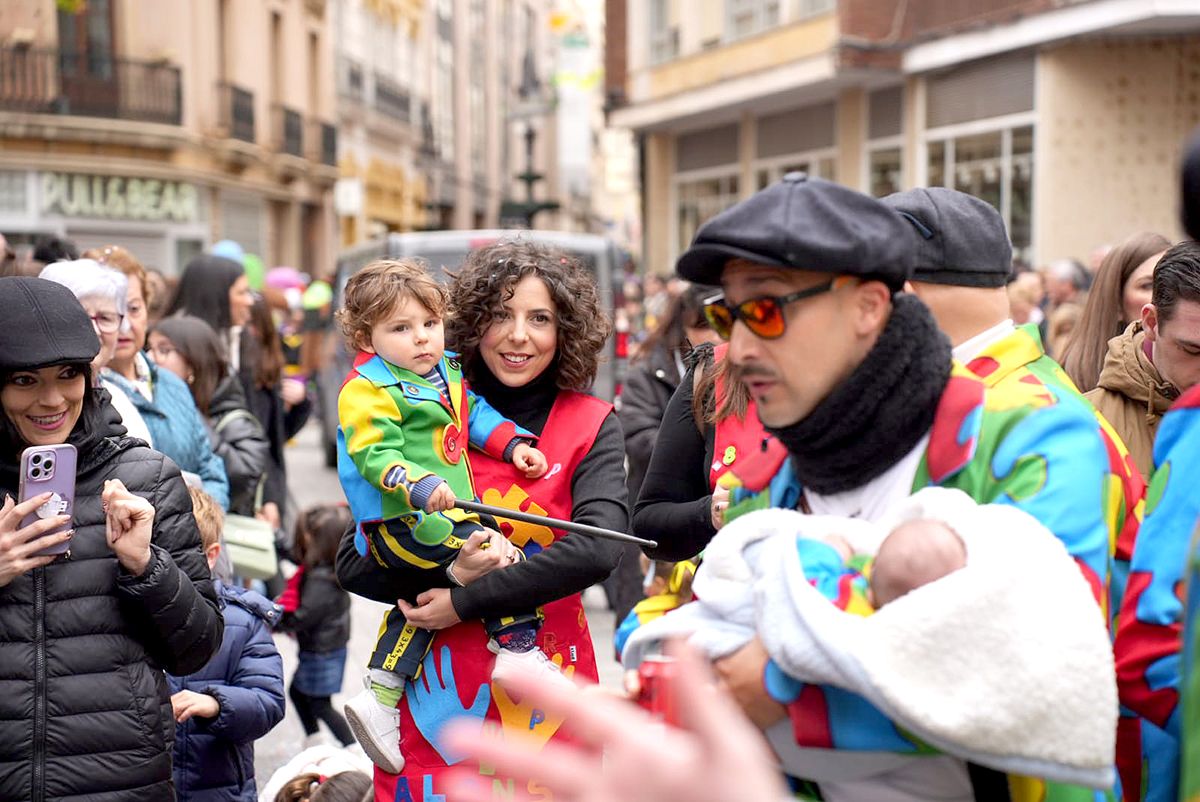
527,323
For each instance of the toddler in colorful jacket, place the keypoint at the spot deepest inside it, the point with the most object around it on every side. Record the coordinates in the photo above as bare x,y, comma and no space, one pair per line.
406,419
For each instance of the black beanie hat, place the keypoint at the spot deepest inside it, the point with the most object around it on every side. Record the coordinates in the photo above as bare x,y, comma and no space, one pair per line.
42,324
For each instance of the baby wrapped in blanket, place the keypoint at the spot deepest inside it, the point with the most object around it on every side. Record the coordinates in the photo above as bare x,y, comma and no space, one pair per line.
987,643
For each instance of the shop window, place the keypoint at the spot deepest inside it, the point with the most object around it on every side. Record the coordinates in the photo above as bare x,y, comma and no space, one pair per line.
664,37
883,171
747,17
817,166
996,166
700,199
13,192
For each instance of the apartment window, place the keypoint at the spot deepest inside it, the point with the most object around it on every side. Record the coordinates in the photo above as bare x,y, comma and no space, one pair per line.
884,167
811,8
701,197
664,36
996,166
747,17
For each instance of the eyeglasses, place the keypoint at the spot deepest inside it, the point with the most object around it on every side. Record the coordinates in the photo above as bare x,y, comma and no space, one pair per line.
763,316
107,322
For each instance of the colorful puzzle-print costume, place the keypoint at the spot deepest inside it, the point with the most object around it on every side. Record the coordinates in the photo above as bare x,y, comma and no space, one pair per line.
658,605
456,684
1150,626
1020,357
1013,444
399,435
1190,725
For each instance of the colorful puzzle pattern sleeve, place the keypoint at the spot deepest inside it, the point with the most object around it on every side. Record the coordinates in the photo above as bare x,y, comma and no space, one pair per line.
1018,363
1190,725
491,432
374,434
1150,625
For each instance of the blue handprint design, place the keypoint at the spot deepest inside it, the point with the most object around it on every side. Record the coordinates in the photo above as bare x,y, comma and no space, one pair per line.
434,703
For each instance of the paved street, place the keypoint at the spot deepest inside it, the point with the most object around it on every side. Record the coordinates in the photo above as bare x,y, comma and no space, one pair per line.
311,482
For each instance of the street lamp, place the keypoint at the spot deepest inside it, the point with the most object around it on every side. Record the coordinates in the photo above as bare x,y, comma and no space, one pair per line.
533,103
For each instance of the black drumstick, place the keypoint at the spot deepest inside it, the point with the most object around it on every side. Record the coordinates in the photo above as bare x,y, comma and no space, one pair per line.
529,518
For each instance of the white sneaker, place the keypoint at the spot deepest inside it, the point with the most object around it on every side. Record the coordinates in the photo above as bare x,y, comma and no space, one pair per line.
533,663
377,728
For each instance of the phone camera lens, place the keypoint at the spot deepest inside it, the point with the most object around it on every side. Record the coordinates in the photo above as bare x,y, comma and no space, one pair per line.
36,473
36,459
49,464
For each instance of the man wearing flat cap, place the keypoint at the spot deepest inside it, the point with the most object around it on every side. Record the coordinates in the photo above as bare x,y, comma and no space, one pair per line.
963,259
854,377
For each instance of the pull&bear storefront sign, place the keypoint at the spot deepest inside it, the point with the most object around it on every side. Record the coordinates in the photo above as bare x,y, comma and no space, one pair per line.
118,198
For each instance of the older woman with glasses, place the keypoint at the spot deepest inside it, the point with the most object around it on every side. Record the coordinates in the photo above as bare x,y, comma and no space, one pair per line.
102,292
162,403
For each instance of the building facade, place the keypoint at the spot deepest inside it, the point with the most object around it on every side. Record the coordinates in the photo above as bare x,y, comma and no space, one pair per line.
1067,115
382,95
444,104
167,126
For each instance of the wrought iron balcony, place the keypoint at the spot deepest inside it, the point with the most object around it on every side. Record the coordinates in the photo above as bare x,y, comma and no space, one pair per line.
288,130
236,111
43,81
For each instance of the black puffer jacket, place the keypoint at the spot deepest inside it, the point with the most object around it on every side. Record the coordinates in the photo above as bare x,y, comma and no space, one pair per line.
239,440
84,709
322,621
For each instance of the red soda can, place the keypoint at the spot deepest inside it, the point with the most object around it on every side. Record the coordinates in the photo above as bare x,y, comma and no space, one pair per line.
657,677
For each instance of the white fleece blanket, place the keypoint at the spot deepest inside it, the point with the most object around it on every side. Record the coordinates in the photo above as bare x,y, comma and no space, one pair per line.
1006,663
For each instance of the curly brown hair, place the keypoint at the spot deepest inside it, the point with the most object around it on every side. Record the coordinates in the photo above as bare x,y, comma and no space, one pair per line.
488,279
373,292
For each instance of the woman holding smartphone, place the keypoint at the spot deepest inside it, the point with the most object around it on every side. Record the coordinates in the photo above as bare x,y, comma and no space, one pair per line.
85,636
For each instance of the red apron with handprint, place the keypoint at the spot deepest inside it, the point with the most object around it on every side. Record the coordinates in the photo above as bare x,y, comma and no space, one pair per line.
455,679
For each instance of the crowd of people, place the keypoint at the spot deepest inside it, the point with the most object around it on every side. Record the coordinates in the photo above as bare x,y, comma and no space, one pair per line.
927,513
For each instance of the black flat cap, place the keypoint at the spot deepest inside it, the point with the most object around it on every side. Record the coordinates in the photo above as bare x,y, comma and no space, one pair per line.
961,239
809,224
43,325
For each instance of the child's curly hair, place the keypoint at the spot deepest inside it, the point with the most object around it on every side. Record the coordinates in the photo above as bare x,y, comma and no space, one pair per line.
373,292
488,279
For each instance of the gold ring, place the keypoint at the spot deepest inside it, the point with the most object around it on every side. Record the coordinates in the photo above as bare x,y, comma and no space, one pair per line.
487,544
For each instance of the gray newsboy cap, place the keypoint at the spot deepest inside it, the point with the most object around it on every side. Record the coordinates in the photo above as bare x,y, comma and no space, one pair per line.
809,224
960,239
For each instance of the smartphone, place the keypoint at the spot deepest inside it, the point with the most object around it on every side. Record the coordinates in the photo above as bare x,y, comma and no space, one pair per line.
49,469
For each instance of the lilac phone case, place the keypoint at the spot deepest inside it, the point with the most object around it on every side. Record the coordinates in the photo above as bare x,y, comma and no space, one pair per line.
49,469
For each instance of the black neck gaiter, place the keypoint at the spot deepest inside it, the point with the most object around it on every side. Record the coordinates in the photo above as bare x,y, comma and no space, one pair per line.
879,414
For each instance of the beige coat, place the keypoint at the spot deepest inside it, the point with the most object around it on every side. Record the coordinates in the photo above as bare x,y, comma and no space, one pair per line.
1132,396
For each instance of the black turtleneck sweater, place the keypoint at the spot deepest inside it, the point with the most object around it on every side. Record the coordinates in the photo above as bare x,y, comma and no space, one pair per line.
598,497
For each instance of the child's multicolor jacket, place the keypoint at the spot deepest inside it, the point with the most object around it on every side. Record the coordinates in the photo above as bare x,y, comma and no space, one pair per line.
398,436
1150,626
1016,443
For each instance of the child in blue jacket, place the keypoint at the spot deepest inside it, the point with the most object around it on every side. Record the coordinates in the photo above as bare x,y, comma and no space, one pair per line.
236,698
